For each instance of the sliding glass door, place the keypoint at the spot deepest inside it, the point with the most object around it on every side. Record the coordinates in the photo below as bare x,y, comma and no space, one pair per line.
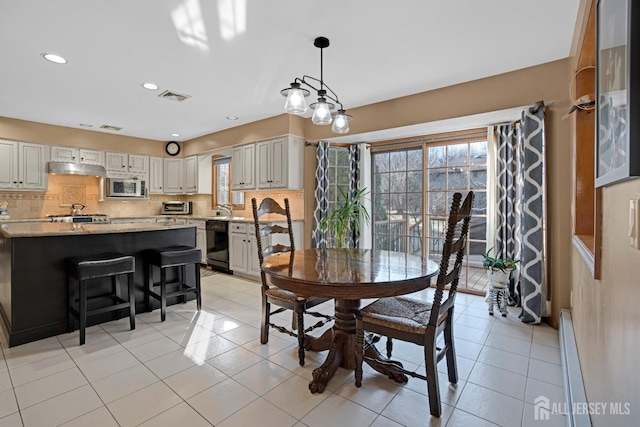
412,193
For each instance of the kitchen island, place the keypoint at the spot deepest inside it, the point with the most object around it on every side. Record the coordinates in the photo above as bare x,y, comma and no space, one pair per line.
33,281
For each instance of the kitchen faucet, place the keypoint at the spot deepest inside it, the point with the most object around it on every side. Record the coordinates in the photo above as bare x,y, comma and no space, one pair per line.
225,208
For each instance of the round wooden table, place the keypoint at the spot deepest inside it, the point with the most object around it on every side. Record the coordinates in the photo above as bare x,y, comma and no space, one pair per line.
348,275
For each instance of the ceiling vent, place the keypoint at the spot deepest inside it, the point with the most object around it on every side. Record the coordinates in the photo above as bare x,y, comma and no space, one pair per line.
109,127
173,96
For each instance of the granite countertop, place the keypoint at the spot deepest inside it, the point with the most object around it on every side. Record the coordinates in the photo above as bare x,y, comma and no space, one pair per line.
41,229
267,218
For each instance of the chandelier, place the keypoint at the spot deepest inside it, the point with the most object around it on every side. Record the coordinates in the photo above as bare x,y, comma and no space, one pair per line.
295,103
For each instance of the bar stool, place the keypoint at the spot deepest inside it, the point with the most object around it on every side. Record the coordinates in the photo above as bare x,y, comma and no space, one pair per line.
179,256
83,269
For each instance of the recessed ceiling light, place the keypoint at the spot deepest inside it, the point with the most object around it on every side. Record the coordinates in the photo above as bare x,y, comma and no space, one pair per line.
54,58
175,134
86,125
150,86
232,117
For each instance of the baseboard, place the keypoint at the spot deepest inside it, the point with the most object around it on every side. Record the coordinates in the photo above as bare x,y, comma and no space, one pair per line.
571,373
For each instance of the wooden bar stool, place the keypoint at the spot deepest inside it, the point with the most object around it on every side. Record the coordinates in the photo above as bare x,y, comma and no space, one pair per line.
180,257
82,270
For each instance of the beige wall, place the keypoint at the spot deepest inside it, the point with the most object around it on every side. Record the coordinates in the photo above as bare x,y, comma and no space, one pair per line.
41,133
605,313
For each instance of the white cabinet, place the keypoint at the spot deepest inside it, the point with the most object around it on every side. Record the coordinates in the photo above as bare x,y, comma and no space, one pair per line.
77,155
116,162
243,167
23,165
138,164
91,157
173,176
243,250
129,163
201,237
180,175
191,174
156,175
280,163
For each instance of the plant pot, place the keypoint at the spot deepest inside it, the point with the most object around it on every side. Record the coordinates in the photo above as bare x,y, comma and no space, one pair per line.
498,279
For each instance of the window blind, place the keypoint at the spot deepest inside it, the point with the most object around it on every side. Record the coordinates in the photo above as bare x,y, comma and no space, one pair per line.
470,135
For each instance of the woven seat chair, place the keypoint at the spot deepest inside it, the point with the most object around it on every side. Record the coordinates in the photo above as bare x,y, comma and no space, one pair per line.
285,300
421,322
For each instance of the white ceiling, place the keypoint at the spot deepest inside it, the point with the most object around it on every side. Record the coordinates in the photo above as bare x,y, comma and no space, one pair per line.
235,64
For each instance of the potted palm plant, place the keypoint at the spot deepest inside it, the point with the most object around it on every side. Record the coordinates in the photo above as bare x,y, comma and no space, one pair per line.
343,222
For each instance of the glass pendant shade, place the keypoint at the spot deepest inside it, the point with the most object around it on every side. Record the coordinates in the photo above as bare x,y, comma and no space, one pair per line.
340,122
295,103
321,113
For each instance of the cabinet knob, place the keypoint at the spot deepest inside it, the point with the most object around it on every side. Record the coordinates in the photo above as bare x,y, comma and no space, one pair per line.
122,165
81,158
73,157
20,182
15,182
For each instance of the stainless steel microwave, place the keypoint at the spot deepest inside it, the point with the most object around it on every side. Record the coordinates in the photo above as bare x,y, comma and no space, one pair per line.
126,187
176,207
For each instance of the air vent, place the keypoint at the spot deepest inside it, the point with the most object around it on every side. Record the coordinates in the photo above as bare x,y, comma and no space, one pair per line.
109,127
173,96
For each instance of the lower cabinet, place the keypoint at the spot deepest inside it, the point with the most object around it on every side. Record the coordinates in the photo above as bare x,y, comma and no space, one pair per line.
201,237
243,250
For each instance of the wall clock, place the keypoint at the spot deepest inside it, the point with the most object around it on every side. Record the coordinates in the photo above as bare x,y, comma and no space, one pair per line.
172,148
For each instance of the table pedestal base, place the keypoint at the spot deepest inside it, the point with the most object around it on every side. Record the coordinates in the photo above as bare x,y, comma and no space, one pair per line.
341,343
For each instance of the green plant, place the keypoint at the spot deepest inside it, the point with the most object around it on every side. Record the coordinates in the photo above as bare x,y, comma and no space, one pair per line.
344,221
496,263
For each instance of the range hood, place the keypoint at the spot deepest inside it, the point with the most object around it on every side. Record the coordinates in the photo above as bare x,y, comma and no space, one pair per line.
76,169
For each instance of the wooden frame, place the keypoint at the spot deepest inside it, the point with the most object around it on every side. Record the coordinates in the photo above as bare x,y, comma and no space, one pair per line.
618,100
214,185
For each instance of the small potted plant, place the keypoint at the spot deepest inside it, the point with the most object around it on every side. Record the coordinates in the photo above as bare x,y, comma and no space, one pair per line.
498,269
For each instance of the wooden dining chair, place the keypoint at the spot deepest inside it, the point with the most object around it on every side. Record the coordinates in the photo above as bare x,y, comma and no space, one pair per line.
420,322
285,300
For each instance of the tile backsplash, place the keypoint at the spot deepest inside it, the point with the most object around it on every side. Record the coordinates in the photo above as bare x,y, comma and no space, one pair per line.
64,190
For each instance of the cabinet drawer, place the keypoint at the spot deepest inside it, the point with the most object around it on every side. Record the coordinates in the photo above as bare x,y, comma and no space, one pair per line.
237,227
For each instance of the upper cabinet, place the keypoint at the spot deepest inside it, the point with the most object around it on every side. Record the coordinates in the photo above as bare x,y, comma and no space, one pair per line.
180,175
77,155
23,165
173,175
129,163
156,183
191,174
243,167
280,163
275,163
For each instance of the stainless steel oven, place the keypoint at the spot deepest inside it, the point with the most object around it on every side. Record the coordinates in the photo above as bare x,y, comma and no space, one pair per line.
218,245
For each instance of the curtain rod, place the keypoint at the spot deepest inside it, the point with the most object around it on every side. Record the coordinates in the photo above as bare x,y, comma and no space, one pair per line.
335,144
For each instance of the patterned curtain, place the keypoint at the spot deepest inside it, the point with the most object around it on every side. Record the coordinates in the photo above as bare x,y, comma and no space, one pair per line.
321,204
354,183
521,208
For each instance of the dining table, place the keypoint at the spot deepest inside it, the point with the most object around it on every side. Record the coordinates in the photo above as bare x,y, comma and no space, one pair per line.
348,276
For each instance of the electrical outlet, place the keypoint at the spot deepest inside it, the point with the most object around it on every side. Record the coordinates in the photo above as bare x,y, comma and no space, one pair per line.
634,223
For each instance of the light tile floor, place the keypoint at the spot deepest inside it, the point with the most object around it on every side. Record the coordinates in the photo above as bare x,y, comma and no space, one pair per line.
208,368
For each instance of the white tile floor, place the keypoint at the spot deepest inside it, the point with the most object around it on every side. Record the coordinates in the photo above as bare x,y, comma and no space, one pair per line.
210,369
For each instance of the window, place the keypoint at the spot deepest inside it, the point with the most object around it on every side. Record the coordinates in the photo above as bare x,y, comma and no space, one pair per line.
412,192
222,194
338,174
